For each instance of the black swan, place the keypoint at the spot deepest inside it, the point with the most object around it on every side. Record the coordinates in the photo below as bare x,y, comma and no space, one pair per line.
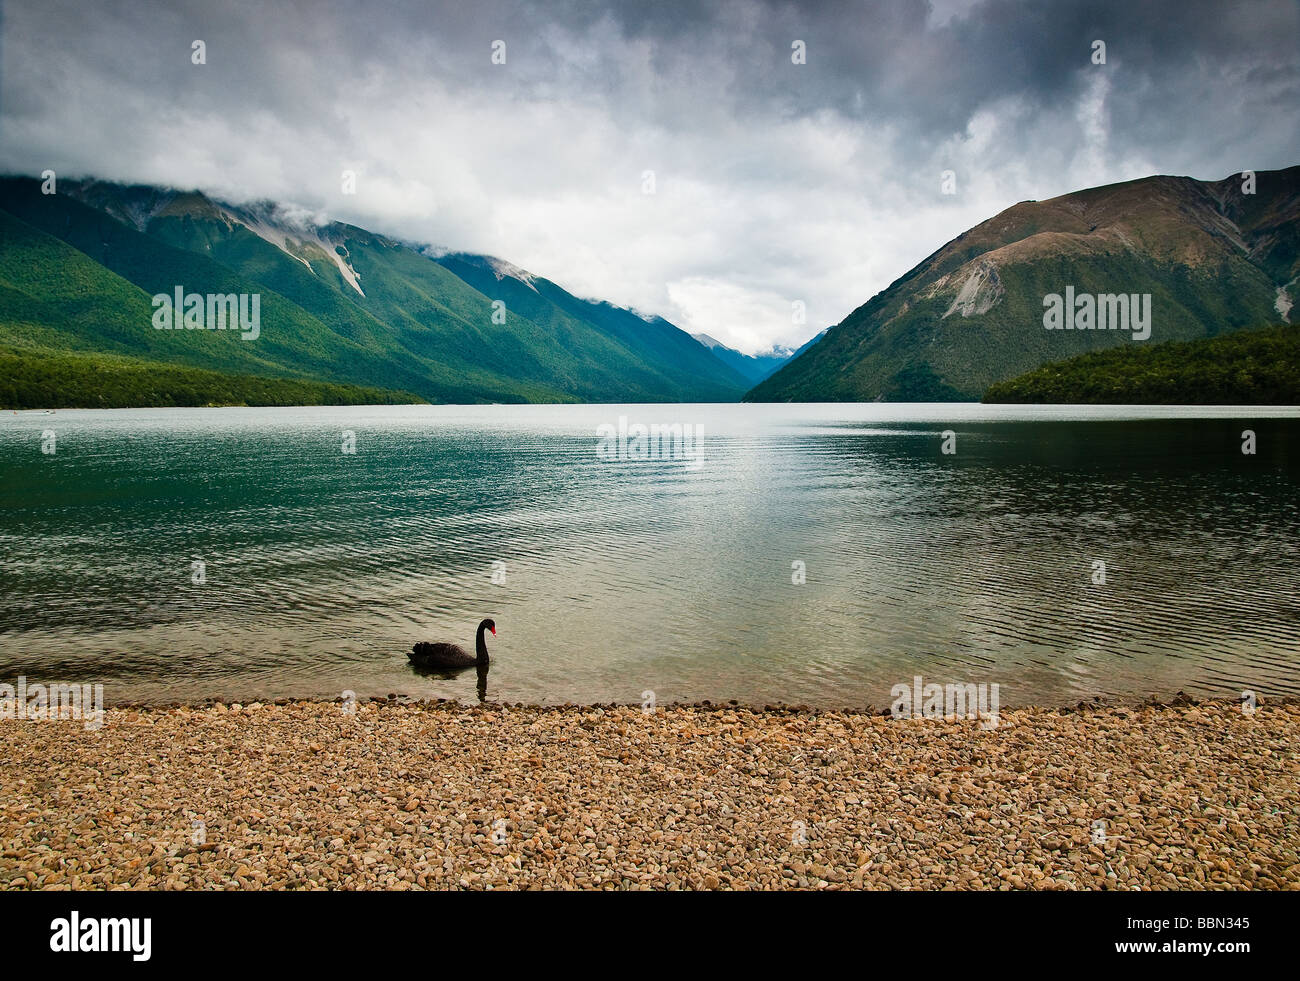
427,655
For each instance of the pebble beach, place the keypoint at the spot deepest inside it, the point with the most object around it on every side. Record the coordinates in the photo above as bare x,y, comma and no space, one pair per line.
395,795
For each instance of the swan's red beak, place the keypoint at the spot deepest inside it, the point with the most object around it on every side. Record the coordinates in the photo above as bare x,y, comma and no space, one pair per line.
494,631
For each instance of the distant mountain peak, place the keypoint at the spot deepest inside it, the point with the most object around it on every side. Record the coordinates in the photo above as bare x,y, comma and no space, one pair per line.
754,367
776,351
1212,257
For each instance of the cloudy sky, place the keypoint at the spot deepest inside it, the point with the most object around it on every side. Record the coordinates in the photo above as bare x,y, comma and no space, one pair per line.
772,181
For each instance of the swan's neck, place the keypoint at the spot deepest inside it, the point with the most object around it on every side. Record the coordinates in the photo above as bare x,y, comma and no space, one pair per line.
480,647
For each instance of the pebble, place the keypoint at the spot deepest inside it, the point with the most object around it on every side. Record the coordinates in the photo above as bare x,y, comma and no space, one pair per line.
406,795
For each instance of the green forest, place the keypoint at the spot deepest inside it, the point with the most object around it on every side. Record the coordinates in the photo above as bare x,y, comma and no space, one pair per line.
1248,367
43,380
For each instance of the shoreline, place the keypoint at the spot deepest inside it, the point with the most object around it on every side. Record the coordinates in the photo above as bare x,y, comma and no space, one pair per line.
1097,703
1195,795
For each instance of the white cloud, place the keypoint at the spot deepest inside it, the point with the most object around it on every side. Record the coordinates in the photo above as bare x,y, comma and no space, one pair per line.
774,182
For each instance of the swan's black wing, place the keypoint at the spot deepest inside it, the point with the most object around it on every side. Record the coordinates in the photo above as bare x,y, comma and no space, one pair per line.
437,650
439,655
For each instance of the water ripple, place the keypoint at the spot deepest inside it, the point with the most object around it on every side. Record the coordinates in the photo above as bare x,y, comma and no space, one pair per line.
321,568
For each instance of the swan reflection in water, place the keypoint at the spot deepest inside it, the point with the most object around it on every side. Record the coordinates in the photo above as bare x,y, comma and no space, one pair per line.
443,660
446,674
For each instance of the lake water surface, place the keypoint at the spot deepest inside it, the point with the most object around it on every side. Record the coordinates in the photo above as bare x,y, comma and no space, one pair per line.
321,567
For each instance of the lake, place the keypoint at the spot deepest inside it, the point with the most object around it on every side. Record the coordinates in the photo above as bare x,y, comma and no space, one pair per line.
813,554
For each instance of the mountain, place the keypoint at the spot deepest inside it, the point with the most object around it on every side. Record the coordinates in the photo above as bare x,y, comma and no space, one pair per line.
755,367
1212,258
1246,367
663,350
339,304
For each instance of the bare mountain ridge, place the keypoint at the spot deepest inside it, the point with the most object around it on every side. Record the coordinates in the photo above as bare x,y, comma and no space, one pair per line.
1214,258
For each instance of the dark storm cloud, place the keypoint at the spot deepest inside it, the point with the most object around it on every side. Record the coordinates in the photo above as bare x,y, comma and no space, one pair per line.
815,181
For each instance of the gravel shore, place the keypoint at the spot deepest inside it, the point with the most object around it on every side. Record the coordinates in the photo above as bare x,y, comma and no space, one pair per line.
405,796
